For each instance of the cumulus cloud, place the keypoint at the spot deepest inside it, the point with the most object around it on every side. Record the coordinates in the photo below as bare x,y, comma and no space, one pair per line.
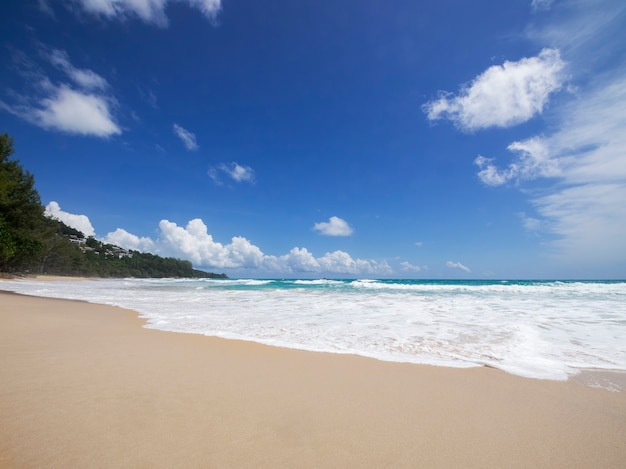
73,112
335,226
298,260
234,171
188,138
341,262
503,95
123,238
78,222
194,243
83,108
149,11
457,265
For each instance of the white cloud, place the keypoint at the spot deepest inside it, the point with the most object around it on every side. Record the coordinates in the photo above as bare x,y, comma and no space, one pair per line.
457,265
590,222
149,11
335,226
188,138
341,262
238,173
503,95
579,168
234,170
78,222
408,267
533,160
123,238
214,175
530,223
73,112
83,109
84,78
490,174
299,260
194,243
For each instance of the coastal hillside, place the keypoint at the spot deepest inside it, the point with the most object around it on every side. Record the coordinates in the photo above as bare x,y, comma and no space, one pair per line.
32,243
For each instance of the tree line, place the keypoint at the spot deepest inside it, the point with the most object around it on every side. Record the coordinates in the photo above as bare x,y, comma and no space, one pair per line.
32,243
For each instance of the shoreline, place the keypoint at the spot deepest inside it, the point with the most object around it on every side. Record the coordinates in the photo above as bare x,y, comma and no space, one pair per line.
85,385
613,380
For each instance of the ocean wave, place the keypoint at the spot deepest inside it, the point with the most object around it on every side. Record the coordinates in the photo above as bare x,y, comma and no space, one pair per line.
535,329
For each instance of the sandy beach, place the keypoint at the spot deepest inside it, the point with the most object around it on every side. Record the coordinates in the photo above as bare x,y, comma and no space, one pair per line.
84,385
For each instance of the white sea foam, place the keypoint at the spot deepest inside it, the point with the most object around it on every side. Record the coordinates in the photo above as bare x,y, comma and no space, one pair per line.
534,329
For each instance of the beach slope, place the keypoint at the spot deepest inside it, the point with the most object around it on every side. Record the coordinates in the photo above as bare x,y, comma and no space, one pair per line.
84,385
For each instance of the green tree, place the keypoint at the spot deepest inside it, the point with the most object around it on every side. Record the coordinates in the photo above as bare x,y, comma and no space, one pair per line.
21,212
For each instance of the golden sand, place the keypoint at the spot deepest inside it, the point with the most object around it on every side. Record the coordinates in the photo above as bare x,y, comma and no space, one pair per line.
85,386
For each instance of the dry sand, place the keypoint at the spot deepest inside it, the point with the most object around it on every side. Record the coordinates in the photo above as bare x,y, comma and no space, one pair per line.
85,386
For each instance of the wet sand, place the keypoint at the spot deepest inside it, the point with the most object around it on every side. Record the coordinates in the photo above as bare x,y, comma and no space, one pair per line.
84,385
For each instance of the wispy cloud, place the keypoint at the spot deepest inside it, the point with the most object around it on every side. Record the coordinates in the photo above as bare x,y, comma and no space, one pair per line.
238,172
533,159
503,95
149,97
408,267
538,5
149,11
335,226
234,171
579,168
457,265
188,138
530,223
83,108
45,8
84,78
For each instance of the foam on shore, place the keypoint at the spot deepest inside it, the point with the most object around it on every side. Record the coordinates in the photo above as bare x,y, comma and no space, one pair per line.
535,329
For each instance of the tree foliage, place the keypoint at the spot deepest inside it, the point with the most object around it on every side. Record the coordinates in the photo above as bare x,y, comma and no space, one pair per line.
31,242
21,212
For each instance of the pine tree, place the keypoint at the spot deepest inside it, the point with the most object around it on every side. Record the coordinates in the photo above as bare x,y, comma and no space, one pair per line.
21,212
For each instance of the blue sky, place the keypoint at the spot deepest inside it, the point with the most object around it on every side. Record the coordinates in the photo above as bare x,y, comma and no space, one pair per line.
446,139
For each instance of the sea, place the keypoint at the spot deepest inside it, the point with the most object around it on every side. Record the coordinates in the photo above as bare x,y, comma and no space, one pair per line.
537,329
